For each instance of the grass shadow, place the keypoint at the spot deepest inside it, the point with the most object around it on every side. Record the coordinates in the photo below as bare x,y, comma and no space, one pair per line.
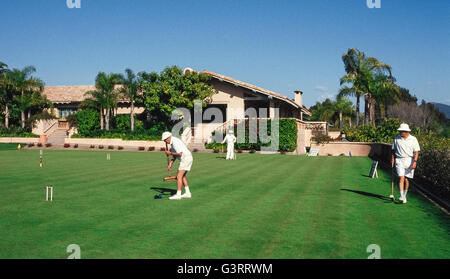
164,191
371,195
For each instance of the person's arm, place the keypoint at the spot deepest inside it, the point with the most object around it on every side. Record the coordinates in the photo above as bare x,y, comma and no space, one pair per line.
393,154
393,158
416,154
416,157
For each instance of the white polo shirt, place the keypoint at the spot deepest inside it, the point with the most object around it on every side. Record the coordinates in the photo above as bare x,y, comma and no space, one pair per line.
405,148
178,146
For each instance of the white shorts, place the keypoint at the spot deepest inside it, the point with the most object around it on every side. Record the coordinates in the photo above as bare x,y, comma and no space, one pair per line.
186,163
403,167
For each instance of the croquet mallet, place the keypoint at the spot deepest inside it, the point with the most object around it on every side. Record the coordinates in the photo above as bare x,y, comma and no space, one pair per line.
168,178
392,197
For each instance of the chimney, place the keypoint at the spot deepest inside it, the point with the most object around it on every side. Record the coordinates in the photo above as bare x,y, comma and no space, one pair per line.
298,97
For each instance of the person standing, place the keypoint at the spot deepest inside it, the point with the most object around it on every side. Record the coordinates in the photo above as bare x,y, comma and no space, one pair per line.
405,153
179,151
230,139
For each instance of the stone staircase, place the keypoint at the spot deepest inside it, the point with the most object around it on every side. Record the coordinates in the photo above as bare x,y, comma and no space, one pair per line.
57,137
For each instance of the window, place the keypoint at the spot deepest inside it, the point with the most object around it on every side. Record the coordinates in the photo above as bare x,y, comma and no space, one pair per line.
64,112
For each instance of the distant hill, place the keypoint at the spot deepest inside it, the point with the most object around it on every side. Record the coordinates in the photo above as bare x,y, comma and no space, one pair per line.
445,109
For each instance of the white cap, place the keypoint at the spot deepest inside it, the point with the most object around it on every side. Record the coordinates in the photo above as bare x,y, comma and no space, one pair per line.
404,128
165,135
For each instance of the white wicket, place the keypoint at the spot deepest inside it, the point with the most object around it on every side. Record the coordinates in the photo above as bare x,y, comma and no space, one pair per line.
108,156
49,190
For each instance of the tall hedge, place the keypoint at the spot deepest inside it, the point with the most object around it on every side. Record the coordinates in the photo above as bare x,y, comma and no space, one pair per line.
433,166
287,137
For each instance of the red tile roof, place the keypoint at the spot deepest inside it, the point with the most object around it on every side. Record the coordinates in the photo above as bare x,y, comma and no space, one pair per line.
67,94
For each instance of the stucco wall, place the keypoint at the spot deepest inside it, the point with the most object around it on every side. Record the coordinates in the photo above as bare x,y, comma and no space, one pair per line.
380,150
230,95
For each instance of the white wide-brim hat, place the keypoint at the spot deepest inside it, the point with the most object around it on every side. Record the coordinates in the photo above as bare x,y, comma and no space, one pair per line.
165,135
404,128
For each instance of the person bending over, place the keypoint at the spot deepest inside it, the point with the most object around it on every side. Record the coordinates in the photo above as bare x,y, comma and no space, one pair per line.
179,151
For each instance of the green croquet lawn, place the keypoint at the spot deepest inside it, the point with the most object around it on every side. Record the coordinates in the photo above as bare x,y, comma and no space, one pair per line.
260,206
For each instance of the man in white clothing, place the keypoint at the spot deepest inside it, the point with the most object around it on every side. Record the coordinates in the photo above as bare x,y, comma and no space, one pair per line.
230,139
179,151
405,153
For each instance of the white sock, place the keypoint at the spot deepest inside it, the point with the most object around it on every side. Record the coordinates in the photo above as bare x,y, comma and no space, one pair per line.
406,192
179,193
186,188
402,194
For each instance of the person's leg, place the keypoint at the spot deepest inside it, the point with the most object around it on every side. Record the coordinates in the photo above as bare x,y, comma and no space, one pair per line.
228,152
400,185
406,186
180,176
187,193
185,182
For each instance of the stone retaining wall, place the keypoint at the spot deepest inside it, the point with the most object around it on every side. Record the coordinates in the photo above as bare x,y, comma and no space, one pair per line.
115,142
19,140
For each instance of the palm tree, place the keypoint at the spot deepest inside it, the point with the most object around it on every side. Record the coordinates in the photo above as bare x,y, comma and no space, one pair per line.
359,73
130,91
105,96
383,91
3,68
5,96
25,84
342,106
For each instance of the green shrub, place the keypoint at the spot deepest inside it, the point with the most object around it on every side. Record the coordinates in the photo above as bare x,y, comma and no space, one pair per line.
321,138
433,166
288,135
88,121
385,132
214,145
18,132
122,123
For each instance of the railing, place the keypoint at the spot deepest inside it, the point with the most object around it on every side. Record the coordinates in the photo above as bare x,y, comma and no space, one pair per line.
50,129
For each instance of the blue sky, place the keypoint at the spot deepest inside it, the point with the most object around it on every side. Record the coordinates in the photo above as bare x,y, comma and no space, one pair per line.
278,45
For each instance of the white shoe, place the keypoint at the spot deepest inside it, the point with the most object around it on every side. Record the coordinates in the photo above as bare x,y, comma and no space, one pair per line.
400,198
404,200
186,195
175,197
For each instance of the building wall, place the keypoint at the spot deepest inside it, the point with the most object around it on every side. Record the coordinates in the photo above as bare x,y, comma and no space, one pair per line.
230,95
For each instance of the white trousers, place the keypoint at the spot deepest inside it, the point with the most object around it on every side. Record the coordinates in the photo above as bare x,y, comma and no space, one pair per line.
230,152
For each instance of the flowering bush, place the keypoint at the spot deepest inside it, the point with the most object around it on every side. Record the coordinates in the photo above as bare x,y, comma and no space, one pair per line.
151,148
66,145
